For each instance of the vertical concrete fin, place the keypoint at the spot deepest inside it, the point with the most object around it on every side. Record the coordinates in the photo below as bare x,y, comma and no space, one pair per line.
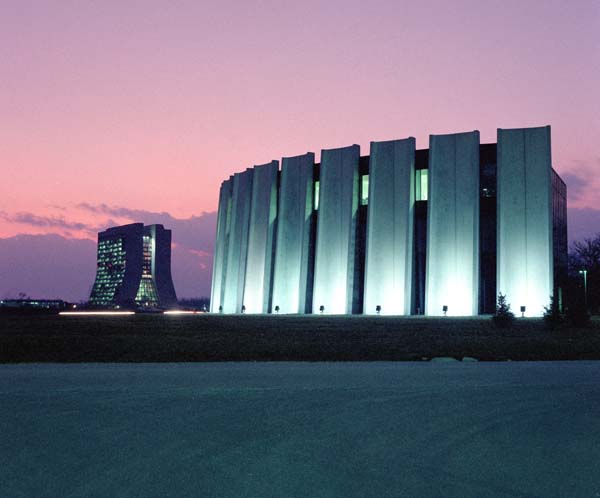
237,249
294,231
336,231
261,237
222,238
525,252
389,245
452,275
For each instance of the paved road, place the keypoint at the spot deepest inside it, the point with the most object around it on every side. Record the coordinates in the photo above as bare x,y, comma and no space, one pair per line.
445,429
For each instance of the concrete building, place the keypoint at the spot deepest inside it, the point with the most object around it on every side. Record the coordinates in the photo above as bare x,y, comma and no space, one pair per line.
134,268
438,231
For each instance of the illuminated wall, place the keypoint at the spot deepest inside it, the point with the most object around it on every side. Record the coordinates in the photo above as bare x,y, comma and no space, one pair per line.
336,231
404,230
389,245
261,237
524,207
237,250
452,277
293,266
221,244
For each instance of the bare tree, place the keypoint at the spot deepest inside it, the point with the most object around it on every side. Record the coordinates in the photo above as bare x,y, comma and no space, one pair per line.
584,266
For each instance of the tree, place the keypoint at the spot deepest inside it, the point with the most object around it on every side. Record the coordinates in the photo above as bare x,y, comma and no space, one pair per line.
503,317
585,257
552,314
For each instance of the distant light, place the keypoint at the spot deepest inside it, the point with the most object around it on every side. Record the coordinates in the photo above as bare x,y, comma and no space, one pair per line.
96,313
180,312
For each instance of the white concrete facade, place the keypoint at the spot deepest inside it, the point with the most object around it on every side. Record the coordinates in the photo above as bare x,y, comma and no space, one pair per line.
261,237
453,225
524,207
336,231
293,268
221,244
237,250
389,243
308,236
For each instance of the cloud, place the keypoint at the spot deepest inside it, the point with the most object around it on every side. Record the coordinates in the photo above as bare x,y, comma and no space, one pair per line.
196,232
582,223
53,266
582,182
57,264
31,219
576,185
47,267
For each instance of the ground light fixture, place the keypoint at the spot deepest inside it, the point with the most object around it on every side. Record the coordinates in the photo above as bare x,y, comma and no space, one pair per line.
276,309
445,309
181,312
321,309
523,308
378,309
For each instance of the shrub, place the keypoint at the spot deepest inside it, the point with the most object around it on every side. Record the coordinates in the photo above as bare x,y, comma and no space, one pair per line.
552,314
578,315
504,317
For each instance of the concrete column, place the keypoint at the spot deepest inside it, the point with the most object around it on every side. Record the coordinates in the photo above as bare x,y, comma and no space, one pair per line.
453,225
336,231
524,250
221,243
389,245
263,214
292,282
237,249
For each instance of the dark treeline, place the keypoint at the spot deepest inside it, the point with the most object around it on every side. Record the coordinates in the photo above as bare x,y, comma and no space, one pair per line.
583,282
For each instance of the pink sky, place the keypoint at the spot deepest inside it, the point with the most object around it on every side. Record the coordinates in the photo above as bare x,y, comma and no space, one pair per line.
146,106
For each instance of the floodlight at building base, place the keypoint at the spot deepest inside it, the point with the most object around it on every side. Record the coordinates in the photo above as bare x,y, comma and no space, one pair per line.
181,312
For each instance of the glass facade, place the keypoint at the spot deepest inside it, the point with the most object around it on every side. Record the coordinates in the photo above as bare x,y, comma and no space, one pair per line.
559,234
147,294
421,177
110,271
364,190
133,268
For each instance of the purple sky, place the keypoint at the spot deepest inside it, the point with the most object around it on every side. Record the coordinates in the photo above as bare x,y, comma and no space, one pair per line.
119,111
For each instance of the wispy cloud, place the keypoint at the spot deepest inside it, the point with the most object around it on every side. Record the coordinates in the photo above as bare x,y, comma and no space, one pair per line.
34,220
583,223
582,181
576,185
196,232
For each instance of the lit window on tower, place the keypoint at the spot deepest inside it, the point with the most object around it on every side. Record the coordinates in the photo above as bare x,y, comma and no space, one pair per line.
111,270
421,185
364,190
147,294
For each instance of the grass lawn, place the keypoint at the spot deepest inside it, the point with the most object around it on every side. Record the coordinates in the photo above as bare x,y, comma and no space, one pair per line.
206,337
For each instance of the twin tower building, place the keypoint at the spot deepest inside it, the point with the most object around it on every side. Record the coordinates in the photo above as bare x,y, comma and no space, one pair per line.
402,231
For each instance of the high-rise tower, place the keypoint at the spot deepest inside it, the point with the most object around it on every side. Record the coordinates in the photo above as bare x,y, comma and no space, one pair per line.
134,267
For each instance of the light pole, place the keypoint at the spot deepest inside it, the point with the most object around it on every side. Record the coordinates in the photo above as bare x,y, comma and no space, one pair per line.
584,273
